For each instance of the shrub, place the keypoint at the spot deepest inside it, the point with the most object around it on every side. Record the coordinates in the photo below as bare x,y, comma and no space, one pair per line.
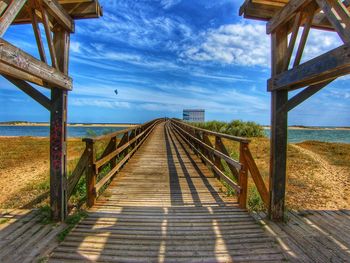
235,128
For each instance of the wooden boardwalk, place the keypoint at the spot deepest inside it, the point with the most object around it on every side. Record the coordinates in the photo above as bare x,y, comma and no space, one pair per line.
24,237
165,206
312,236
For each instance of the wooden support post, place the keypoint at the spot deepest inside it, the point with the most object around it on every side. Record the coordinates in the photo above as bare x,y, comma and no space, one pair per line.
279,126
243,177
91,175
58,134
58,154
217,160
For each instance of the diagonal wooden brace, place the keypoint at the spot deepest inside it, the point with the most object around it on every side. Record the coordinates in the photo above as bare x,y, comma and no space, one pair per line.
10,14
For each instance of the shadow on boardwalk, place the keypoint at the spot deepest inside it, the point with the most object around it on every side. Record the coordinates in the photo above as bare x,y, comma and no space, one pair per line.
166,206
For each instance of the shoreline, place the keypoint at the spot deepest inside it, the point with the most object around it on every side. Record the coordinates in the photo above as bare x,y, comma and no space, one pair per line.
313,128
23,124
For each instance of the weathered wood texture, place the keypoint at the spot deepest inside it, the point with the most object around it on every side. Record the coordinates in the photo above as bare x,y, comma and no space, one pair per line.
58,131
279,129
76,9
200,140
312,236
268,9
23,238
166,206
16,63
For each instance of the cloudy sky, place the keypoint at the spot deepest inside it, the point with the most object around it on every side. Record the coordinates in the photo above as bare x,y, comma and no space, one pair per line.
166,55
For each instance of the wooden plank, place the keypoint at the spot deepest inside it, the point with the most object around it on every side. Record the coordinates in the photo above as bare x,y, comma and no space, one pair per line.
116,168
32,92
91,175
77,173
16,63
285,14
113,154
60,14
222,176
257,178
9,15
330,65
217,153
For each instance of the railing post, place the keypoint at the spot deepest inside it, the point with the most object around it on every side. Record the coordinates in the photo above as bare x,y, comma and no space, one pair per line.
217,161
91,175
243,176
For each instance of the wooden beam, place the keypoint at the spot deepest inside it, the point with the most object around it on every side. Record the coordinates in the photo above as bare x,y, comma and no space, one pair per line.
46,23
60,14
293,39
279,126
10,14
285,14
304,95
16,63
82,10
310,15
32,92
3,6
330,65
37,33
339,17
261,11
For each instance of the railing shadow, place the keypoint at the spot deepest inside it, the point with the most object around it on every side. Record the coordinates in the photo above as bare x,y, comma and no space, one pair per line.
188,229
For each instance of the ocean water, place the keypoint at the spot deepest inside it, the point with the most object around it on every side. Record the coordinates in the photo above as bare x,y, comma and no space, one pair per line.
44,131
325,135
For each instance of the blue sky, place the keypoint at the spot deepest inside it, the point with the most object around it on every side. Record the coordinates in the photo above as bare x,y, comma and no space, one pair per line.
166,55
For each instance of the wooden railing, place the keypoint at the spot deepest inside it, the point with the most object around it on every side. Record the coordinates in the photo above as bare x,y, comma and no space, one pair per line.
216,155
120,147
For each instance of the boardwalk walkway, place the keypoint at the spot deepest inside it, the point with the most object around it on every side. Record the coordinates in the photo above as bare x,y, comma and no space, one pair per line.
165,206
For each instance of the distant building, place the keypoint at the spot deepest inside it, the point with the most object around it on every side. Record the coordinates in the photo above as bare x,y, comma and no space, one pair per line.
194,115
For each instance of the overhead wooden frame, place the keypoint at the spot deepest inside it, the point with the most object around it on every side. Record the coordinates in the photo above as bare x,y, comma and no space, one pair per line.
288,73
21,69
267,9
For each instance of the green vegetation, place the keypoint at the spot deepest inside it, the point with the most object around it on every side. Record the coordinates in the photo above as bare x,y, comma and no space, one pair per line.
235,128
71,221
45,212
255,203
4,220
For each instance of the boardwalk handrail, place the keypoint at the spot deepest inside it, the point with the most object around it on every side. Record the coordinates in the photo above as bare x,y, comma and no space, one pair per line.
121,146
214,156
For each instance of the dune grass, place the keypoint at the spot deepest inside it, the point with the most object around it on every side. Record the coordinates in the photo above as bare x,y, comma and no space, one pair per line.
235,128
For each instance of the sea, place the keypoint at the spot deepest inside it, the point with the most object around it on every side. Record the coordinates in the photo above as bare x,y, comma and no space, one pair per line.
294,135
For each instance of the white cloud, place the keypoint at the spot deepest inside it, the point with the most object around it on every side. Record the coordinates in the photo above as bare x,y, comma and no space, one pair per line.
240,44
101,103
246,44
166,4
75,47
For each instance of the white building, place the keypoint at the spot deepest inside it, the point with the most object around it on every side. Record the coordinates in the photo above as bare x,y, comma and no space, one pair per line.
194,115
